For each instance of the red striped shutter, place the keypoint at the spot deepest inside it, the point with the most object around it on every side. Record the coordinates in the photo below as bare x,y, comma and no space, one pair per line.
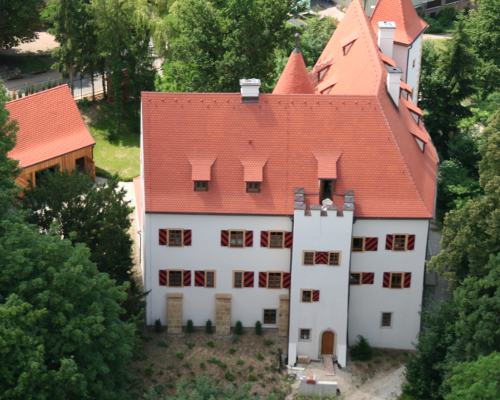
411,242
321,257
186,274
388,242
368,278
387,279
186,237
264,238
248,279
262,279
199,278
407,280
163,277
248,238
286,280
162,237
315,295
224,238
288,239
371,244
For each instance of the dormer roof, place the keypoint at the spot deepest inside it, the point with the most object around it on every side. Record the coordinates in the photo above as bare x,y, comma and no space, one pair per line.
294,79
408,24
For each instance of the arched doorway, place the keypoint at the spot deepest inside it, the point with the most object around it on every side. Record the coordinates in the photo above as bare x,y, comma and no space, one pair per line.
327,342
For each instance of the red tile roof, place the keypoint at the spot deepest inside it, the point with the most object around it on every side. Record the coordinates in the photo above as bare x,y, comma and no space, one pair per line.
408,24
294,78
355,133
50,125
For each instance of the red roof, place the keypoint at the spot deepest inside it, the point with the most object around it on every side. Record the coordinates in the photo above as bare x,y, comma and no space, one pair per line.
355,135
294,79
408,24
50,125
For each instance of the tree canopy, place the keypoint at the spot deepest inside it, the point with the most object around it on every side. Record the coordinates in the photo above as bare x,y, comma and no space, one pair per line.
20,19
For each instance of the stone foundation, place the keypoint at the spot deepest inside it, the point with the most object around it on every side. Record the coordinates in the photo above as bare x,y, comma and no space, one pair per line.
174,312
223,314
283,315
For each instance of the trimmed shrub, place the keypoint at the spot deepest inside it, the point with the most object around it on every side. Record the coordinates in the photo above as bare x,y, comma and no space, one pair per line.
361,351
209,327
190,326
258,328
158,327
238,328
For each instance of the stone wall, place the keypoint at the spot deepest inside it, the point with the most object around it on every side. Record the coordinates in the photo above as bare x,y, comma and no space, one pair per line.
223,314
174,312
283,315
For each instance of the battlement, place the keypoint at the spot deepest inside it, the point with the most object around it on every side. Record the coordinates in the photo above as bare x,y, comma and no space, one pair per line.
300,203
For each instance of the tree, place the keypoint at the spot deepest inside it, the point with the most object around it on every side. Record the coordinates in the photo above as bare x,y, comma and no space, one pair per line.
474,380
61,332
8,167
70,205
19,22
210,45
204,388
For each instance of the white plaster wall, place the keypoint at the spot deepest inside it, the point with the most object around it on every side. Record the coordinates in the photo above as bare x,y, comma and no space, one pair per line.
367,302
413,74
400,55
320,233
206,253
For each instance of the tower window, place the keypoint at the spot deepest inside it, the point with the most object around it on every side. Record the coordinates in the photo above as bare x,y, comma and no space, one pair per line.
325,189
201,186
253,187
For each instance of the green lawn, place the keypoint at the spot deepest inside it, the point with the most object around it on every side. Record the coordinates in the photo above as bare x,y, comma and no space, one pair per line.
117,147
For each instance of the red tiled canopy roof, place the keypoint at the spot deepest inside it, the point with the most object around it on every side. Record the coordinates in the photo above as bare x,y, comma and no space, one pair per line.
50,125
294,79
408,24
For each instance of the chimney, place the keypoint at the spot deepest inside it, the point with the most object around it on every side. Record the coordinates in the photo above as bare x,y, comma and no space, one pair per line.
393,83
249,90
386,31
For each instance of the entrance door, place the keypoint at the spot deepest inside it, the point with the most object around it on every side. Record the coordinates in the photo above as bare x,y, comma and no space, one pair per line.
327,340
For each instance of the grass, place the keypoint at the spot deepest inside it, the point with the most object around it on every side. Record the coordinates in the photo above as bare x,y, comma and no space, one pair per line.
117,147
26,63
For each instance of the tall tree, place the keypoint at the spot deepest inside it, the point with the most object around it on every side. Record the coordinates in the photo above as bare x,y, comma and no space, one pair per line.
19,21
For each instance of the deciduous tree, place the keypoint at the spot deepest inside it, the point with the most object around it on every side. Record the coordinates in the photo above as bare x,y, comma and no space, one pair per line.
19,21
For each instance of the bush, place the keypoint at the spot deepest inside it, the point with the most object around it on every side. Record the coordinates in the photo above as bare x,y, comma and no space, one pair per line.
362,350
238,328
229,376
158,327
209,327
179,355
211,344
190,326
258,328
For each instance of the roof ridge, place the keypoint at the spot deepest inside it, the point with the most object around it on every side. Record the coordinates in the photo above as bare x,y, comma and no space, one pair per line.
30,96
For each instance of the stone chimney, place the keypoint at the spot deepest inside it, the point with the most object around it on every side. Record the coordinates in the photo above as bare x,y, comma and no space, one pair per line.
393,83
386,32
249,90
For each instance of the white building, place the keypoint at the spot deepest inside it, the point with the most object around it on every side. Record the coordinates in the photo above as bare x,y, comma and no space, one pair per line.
306,209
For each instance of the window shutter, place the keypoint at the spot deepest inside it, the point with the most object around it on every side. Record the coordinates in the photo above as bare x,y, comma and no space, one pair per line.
264,239
321,257
371,244
248,279
407,280
186,237
199,278
248,238
262,279
186,274
163,277
411,242
288,239
224,238
286,280
387,279
162,237
368,278
388,242
315,295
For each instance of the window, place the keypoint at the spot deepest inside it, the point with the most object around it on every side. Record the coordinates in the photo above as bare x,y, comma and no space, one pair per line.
175,278
210,279
276,240
355,278
307,296
274,280
357,243
386,320
334,258
80,164
321,73
270,317
175,237
242,279
204,279
304,334
399,242
396,280
308,257
238,279
201,186
326,189
253,187
236,238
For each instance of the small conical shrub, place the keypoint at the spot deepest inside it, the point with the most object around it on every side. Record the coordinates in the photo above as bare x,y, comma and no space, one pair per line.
238,328
258,328
208,327
189,326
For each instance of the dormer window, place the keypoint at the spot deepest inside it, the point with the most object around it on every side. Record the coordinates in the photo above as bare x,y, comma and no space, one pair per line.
321,73
201,186
253,187
326,189
348,42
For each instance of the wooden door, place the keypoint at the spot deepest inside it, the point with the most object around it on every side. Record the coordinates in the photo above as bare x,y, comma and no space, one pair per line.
327,342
